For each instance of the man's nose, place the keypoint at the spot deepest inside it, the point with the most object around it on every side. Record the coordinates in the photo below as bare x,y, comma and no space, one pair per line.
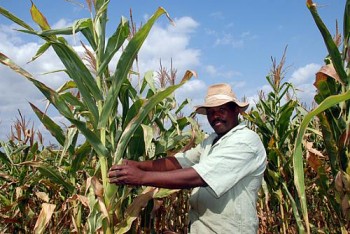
216,114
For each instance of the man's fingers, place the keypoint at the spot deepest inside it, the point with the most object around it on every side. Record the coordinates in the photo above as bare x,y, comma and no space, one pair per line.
116,167
116,180
116,173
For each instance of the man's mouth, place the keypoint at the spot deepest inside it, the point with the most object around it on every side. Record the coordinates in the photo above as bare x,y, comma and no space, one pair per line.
218,123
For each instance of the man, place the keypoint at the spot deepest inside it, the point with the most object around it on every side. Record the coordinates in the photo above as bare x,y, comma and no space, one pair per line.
225,170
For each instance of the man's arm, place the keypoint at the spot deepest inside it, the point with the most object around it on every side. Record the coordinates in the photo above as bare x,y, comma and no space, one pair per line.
173,179
162,164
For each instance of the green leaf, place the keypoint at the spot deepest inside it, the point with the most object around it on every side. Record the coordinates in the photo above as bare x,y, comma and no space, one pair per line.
78,26
298,153
284,120
147,136
50,125
149,82
72,134
329,42
123,67
91,137
133,111
15,19
41,51
89,35
294,208
38,17
51,173
50,94
81,154
330,143
5,158
346,25
139,118
81,75
114,43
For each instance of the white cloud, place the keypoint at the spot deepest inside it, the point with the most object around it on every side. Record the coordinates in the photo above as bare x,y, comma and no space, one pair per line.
303,79
219,72
229,39
62,23
235,41
304,74
217,15
211,70
170,43
16,91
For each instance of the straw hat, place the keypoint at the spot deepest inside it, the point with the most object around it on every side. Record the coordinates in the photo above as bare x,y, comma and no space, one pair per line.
217,95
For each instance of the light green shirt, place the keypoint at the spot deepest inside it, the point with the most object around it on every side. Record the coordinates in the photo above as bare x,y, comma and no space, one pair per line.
233,168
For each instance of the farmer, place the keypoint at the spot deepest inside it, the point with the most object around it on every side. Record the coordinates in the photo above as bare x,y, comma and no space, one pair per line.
225,170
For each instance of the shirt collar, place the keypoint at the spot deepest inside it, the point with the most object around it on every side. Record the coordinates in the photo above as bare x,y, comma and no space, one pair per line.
229,133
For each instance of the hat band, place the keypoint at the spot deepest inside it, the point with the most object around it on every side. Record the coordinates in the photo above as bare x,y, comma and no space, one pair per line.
221,97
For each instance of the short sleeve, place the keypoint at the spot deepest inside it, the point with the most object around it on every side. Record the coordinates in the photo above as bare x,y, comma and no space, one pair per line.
232,160
194,155
190,157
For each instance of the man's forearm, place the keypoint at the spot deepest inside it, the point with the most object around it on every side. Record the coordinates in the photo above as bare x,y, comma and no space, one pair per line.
163,164
175,179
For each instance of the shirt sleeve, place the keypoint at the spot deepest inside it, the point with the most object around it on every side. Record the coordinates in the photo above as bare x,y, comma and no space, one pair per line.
230,161
193,155
190,157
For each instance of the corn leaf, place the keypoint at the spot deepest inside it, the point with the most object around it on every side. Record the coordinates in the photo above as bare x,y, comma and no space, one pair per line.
15,19
346,26
41,51
329,141
50,94
55,130
286,112
139,118
81,154
78,26
44,218
81,75
298,153
39,18
91,137
123,67
50,173
147,136
294,208
114,43
60,105
329,42
71,139
5,159
148,82
89,35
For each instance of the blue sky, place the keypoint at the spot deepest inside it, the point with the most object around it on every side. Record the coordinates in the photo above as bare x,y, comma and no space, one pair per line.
223,41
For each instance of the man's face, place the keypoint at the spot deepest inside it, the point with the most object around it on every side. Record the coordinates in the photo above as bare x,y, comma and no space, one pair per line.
222,118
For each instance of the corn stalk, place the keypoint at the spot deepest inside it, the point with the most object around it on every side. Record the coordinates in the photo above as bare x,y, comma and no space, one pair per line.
276,119
333,94
101,105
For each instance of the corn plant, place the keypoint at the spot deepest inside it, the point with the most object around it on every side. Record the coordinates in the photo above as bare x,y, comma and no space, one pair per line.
25,189
333,94
275,118
106,109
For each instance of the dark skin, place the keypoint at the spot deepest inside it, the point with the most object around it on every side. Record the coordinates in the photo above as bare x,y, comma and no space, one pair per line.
167,172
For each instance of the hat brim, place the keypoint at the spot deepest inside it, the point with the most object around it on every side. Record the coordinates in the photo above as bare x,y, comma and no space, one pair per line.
202,109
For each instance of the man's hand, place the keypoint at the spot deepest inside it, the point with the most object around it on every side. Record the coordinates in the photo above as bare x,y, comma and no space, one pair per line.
126,174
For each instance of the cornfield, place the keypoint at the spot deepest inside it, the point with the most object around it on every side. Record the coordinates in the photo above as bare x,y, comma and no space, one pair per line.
306,187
